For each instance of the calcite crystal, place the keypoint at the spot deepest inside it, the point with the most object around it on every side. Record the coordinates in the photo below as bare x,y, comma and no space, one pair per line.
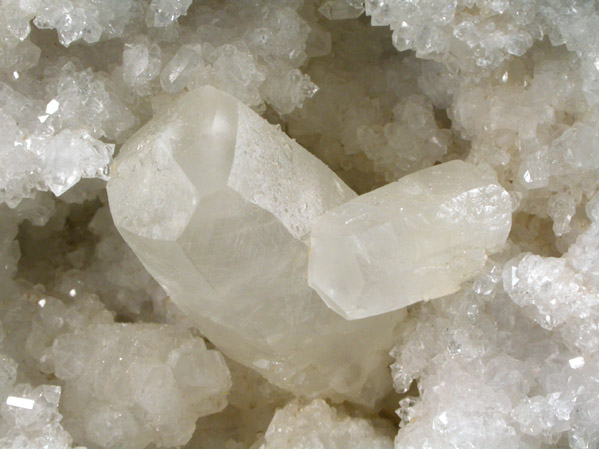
217,204
416,239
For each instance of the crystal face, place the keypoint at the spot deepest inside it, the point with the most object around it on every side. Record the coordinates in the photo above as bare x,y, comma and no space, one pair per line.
218,204
416,239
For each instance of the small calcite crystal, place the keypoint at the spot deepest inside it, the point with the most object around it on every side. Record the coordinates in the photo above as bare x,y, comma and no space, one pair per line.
415,239
217,204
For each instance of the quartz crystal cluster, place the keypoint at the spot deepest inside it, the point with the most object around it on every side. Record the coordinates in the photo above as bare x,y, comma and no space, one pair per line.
299,224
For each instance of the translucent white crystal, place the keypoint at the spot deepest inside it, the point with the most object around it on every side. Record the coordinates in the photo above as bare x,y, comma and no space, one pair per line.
167,11
164,382
97,88
471,345
416,239
141,64
547,284
29,417
123,385
69,156
217,203
316,425
475,35
51,140
561,293
86,20
129,385
341,9
179,71
297,85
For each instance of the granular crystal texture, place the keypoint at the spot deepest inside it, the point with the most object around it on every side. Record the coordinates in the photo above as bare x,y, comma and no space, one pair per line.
89,98
472,36
416,239
29,416
126,385
525,387
217,205
561,293
316,425
134,384
53,138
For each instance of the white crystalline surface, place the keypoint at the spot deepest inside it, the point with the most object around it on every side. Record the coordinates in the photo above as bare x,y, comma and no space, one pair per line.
524,383
561,293
225,203
317,425
61,116
29,417
52,144
377,90
475,35
416,239
151,383
126,385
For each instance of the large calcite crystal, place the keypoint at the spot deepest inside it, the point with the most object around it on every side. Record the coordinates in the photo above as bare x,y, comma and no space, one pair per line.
415,239
218,204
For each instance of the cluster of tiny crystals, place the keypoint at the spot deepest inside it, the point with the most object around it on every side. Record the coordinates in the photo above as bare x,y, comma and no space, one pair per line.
95,354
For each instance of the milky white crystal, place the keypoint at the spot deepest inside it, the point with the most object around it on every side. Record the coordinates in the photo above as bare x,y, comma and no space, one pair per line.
318,426
416,239
124,385
29,416
128,385
217,204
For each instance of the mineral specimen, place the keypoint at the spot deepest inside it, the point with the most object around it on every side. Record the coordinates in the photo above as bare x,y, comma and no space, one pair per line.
375,89
217,204
418,238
